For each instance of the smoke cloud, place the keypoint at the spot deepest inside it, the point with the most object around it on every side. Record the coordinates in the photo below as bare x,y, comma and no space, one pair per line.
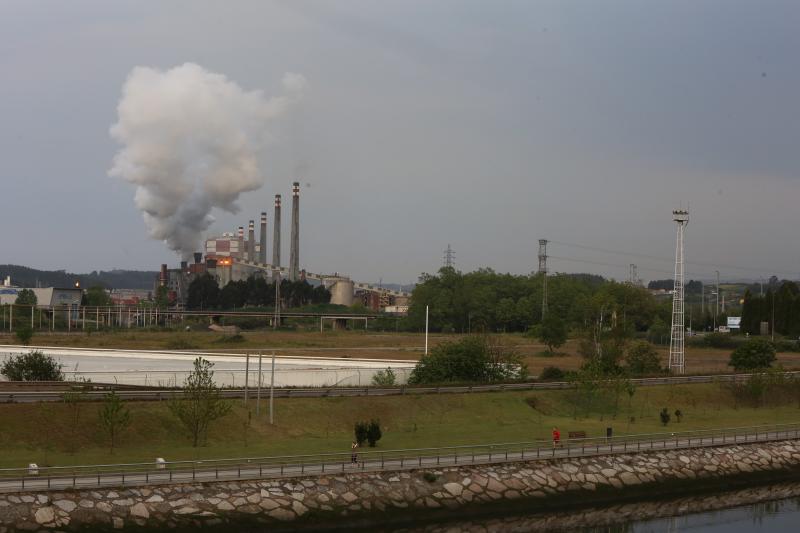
190,143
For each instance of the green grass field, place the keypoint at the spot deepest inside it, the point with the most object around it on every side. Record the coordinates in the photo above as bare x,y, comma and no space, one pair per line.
45,434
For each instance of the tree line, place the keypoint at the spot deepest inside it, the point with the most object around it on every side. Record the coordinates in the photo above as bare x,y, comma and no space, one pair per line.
779,306
205,293
484,300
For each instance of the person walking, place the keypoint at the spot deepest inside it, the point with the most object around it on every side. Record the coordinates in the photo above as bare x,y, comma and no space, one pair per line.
354,453
556,437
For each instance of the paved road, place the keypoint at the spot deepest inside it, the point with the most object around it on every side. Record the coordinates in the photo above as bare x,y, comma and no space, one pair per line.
292,467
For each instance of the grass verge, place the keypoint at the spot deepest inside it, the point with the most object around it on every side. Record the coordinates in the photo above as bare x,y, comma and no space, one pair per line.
48,434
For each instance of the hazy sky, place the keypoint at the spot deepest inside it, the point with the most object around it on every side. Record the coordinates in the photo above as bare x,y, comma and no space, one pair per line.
487,125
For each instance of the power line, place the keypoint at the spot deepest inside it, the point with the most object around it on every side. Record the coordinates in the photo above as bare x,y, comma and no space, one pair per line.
670,260
626,267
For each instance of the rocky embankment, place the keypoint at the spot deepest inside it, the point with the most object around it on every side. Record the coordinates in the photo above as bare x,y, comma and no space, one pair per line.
363,497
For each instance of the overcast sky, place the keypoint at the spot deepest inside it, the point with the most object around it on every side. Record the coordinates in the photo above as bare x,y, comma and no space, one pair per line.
486,125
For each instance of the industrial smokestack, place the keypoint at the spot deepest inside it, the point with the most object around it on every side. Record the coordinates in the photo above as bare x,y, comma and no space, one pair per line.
162,278
294,250
184,265
251,241
276,233
241,251
262,250
198,258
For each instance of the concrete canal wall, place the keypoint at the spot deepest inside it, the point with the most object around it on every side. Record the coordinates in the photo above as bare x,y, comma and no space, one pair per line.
380,497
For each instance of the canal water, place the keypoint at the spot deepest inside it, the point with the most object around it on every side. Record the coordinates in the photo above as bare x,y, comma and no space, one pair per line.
765,508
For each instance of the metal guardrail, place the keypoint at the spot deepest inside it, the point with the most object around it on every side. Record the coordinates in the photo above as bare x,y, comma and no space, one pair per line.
321,392
137,474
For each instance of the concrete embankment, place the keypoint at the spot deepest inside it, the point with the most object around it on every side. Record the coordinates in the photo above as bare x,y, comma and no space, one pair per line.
353,499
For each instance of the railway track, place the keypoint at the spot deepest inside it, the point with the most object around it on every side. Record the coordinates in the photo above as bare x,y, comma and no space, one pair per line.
160,394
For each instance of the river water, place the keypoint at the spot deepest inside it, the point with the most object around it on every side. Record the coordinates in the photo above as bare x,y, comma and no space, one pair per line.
764,508
772,516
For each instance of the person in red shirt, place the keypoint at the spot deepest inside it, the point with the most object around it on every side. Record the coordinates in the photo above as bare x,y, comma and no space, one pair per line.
556,437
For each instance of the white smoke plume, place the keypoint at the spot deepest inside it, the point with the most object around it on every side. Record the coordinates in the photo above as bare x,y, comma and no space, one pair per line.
190,143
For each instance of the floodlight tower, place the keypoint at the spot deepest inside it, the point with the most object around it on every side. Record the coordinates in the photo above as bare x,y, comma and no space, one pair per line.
676,344
543,272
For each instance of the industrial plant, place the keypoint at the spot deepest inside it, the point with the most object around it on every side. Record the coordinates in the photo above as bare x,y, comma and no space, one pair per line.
236,256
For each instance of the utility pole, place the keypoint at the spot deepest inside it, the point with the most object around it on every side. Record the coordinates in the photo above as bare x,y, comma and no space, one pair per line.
716,302
702,301
543,272
277,318
773,316
426,329
246,375
272,389
258,390
678,330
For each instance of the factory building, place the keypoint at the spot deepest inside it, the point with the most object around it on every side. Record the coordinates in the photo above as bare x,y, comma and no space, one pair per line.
239,255
44,296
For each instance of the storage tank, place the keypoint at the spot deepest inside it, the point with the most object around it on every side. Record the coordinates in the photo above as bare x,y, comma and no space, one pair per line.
342,291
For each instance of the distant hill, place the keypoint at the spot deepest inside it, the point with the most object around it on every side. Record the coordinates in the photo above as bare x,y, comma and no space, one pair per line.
114,279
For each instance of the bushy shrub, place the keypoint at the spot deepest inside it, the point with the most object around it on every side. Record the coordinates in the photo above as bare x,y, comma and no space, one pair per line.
384,378
717,340
32,366
786,345
470,360
642,359
360,432
752,355
374,432
551,373
24,334
665,416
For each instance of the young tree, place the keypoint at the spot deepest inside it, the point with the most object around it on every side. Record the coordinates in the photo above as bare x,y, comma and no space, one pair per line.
96,296
32,366
74,400
553,332
201,403
24,334
360,431
384,378
374,432
26,297
162,297
114,418
642,359
752,355
665,416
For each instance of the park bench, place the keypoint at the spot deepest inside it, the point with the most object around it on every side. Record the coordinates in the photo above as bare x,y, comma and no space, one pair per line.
577,434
